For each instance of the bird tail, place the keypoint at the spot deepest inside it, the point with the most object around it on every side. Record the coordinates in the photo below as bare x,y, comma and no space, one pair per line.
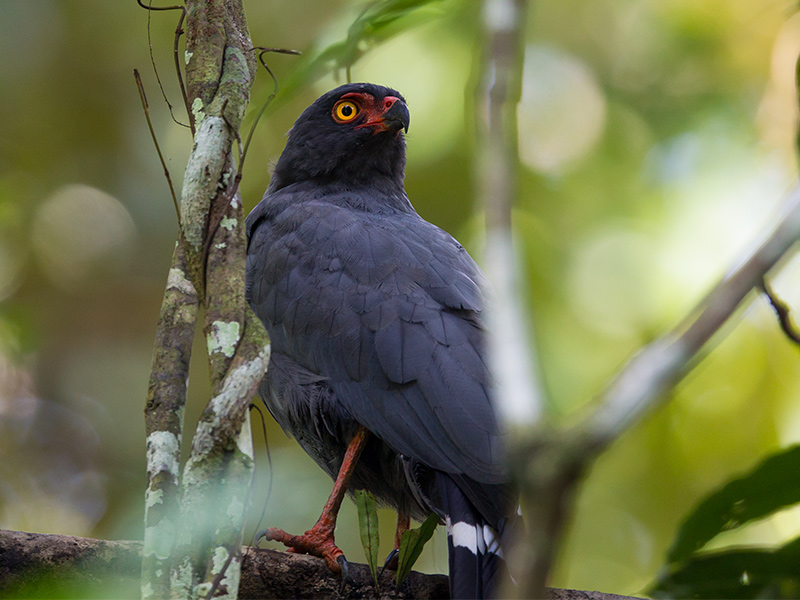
475,547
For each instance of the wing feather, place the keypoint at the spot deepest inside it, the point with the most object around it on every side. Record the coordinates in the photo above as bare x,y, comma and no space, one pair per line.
387,309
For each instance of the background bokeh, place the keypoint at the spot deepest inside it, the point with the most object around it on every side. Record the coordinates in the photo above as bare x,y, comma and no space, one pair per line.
656,140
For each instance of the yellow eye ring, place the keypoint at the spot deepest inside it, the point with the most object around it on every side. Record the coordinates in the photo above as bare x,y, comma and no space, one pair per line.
345,111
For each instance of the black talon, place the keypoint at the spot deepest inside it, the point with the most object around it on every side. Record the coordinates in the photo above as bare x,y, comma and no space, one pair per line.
390,562
344,565
258,537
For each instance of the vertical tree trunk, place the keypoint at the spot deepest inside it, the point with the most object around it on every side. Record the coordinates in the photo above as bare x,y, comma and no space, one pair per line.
198,550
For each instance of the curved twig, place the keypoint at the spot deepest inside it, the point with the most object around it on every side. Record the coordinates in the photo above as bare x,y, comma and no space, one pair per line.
146,108
269,98
178,32
269,464
783,311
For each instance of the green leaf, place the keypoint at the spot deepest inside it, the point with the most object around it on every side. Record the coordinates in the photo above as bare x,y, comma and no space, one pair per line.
368,527
377,23
411,545
769,487
740,573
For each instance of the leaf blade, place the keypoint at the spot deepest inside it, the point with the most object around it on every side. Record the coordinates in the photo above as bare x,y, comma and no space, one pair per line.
772,485
739,573
368,529
411,545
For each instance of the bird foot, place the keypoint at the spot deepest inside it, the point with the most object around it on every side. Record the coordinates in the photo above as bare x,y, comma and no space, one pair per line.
317,541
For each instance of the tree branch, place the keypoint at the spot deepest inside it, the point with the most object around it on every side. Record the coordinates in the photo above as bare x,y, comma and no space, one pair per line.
517,390
661,364
60,566
549,463
166,399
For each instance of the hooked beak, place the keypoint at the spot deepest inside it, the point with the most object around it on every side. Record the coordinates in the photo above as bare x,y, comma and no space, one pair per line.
394,117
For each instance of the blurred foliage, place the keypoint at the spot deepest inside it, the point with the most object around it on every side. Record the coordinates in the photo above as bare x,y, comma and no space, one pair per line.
772,486
377,22
657,137
756,573
738,573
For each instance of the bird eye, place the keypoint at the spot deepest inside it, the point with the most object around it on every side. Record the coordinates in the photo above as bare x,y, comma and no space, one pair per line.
345,111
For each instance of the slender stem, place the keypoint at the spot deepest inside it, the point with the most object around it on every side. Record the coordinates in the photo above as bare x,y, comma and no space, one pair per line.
518,393
179,71
146,108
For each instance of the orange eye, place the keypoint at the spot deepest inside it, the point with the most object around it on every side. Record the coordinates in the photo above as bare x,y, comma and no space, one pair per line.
345,111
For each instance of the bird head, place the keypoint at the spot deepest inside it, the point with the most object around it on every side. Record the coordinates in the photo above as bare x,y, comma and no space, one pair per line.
353,135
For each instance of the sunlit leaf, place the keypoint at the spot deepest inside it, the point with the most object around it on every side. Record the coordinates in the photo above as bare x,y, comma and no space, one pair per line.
368,527
771,486
750,573
411,545
377,23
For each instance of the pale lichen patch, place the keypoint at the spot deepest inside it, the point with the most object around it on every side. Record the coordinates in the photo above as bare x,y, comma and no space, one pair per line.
187,56
203,171
236,385
228,223
153,497
223,337
197,111
158,540
220,246
181,578
147,590
219,559
162,453
245,440
177,280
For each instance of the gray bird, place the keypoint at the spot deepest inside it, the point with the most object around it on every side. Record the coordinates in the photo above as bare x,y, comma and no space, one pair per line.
378,365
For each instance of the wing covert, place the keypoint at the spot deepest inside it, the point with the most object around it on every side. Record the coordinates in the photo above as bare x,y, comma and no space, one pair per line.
388,310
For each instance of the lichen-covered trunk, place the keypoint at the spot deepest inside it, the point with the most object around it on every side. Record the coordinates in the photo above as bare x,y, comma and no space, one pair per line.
194,529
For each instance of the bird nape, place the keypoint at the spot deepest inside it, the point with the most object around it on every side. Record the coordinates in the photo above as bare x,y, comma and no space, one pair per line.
378,365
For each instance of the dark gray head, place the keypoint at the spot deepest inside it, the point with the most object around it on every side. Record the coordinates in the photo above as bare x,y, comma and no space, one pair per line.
353,135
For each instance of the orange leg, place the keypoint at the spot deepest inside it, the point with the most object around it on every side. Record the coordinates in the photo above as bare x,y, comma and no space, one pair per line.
319,540
403,524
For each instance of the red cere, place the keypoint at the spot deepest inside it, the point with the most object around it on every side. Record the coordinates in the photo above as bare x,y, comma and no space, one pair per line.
372,109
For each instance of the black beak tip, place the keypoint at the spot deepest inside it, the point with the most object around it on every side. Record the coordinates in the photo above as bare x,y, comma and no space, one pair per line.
397,117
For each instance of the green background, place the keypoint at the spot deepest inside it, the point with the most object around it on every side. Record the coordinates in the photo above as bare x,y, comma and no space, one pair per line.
656,140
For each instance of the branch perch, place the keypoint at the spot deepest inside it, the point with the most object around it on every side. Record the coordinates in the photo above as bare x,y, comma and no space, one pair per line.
73,567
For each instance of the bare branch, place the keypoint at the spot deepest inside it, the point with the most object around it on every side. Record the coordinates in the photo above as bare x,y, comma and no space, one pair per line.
201,550
642,383
517,390
550,464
